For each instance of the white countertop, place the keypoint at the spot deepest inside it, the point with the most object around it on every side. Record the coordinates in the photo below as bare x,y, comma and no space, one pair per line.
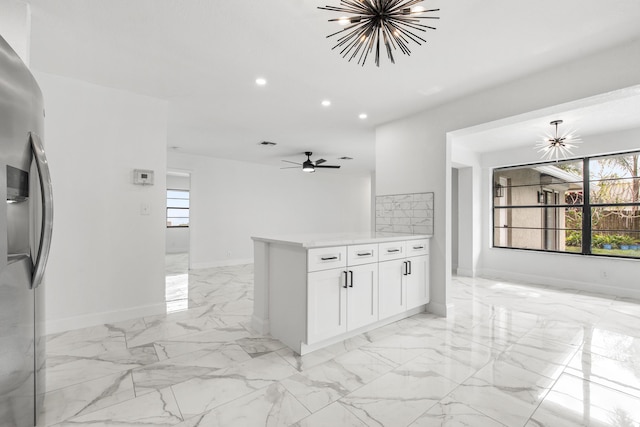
338,239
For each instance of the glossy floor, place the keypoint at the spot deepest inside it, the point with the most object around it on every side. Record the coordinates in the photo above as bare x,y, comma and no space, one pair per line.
510,355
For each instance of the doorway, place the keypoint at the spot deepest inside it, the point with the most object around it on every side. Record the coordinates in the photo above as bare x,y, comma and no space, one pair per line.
177,235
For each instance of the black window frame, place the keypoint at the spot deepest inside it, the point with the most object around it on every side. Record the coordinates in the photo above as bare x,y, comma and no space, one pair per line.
178,207
586,205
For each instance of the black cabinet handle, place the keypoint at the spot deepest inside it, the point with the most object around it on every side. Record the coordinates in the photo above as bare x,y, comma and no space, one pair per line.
393,250
409,264
346,279
351,274
328,258
418,247
364,253
406,268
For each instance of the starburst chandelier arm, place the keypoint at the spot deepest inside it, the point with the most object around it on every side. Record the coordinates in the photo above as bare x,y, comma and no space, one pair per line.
349,28
356,42
411,23
399,40
409,34
353,37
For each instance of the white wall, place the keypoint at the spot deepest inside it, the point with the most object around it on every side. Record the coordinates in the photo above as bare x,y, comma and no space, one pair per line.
107,260
232,201
597,274
15,27
413,154
177,238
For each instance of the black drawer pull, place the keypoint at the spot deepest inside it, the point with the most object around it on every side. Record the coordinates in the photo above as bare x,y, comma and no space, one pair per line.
329,258
393,250
418,247
364,253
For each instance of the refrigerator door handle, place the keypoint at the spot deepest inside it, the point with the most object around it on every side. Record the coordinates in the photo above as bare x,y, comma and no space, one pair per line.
47,210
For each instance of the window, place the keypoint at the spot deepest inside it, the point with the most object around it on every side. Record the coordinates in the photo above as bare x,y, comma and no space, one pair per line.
589,206
177,208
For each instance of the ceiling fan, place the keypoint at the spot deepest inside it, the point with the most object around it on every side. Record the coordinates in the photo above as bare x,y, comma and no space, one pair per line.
309,165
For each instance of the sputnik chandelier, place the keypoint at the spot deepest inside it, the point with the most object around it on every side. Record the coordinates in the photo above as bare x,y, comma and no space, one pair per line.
393,23
553,146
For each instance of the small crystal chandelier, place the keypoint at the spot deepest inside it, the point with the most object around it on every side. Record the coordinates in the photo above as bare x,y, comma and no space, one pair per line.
375,22
554,146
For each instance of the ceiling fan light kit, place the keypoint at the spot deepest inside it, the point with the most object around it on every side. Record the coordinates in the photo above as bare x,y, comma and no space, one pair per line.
554,146
372,23
309,165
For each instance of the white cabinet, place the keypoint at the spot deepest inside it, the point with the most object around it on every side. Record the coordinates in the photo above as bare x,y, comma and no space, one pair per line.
342,299
403,281
392,288
362,296
310,295
326,304
417,281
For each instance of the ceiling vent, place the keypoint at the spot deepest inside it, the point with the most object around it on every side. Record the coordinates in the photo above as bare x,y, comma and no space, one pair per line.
267,143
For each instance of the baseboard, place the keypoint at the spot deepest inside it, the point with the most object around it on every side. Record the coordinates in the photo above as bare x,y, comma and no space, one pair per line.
54,326
554,282
260,325
465,272
221,263
438,309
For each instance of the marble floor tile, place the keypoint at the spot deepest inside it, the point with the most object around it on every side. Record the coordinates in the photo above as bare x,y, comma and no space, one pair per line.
575,401
157,409
508,354
206,392
272,406
450,413
621,375
259,345
504,392
64,371
323,384
86,397
544,357
398,397
333,415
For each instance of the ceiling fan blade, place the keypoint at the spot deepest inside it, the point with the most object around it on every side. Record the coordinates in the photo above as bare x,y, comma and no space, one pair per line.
320,161
328,166
295,163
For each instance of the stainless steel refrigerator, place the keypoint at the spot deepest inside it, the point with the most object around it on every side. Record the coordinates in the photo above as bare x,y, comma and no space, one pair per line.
25,237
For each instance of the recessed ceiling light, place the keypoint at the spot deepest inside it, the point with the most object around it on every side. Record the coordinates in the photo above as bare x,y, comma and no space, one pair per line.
261,81
267,143
326,103
362,116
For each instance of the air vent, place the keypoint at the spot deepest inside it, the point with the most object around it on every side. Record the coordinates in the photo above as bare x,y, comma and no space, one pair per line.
267,143
345,158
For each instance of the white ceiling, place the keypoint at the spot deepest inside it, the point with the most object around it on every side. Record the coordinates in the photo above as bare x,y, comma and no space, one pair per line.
203,56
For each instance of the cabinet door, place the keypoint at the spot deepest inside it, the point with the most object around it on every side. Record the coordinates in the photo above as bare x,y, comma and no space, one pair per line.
362,296
326,303
417,281
391,288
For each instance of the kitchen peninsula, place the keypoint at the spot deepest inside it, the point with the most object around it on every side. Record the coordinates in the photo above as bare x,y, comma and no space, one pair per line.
311,291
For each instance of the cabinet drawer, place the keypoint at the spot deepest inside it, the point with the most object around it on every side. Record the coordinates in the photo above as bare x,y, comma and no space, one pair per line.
362,254
391,250
326,258
417,247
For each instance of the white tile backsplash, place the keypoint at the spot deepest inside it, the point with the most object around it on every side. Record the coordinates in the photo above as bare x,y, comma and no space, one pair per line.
405,213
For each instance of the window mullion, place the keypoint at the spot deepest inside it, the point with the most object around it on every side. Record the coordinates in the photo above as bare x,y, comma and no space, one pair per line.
586,208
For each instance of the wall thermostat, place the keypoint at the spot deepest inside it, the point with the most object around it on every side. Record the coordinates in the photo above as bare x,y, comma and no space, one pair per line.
143,177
